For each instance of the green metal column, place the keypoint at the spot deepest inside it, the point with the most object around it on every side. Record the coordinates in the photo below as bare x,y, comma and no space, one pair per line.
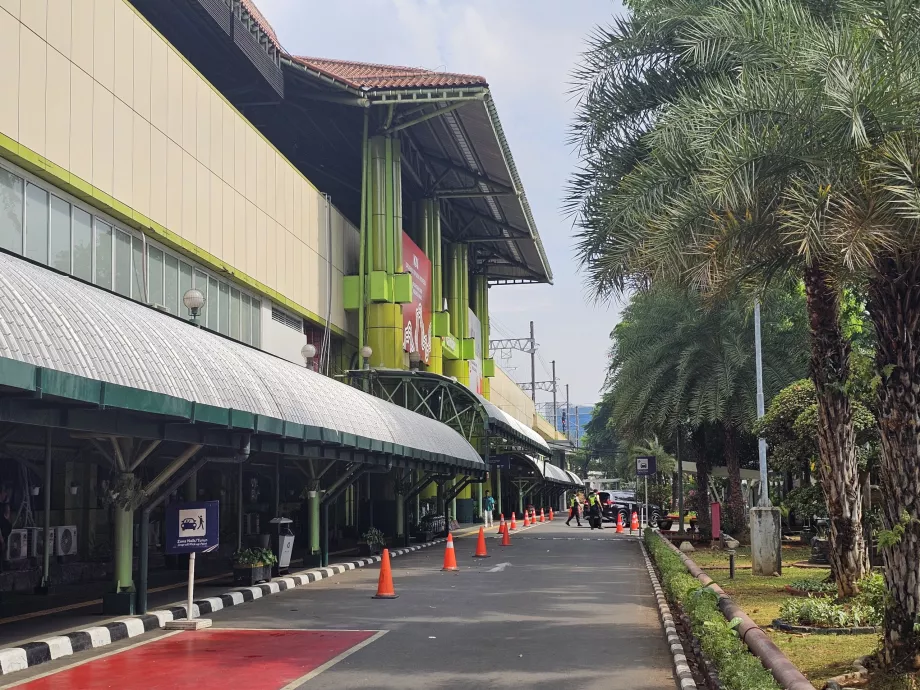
124,550
478,502
434,254
498,489
520,489
191,488
313,512
400,515
453,288
377,203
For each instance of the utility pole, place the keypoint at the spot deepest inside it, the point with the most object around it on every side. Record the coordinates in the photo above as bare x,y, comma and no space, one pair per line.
761,442
555,426
533,365
568,420
576,426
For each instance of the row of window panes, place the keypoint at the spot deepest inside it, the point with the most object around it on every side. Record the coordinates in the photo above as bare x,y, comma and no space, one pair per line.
49,230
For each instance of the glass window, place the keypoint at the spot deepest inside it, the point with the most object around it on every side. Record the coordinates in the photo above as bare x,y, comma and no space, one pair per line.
103,254
200,283
223,325
256,323
234,313
122,263
60,242
246,323
214,303
82,245
155,273
171,285
185,284
139,285
37,224
10,212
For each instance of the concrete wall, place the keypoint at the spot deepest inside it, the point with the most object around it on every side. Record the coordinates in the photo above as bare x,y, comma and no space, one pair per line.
95,100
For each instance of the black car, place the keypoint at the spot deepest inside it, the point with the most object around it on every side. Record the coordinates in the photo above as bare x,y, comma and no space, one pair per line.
624,503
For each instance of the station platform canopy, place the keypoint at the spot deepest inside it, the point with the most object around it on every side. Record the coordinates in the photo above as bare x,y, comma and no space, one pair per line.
82,358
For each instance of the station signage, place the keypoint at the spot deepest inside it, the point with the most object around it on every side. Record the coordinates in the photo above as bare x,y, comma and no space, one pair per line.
192,527
417,313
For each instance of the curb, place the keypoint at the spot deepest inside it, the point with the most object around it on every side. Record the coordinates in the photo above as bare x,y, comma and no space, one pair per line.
41,651
681,667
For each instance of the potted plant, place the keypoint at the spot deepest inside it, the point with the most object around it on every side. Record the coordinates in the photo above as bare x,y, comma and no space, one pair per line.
372,542
251,566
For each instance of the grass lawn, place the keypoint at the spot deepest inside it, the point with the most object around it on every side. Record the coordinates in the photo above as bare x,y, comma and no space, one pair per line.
819,657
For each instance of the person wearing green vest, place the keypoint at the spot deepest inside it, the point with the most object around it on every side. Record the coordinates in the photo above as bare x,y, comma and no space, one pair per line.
573,511
594,507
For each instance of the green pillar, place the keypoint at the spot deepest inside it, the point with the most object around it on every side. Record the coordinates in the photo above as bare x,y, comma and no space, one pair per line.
313,500
520,489
191,488
124,550
498,489
481,309
478,514
457,293
400,515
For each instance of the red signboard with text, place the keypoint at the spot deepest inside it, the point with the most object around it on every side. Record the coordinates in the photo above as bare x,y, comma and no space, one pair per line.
417,313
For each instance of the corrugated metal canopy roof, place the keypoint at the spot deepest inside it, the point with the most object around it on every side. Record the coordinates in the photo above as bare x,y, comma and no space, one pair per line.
56,322
502,418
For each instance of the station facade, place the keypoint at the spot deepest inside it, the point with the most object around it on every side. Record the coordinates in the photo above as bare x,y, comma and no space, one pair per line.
342,223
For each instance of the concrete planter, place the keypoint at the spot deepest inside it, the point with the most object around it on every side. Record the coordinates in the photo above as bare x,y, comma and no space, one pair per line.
250,575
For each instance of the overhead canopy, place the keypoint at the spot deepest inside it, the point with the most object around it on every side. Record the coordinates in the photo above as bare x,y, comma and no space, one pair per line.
575,478
62,337
556,474
504,421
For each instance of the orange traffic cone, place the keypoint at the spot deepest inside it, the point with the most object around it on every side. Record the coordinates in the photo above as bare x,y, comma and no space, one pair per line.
385,583
506,537
481,545
513,523
542,518
619,523
634,523
526,519
501,524
551,516
450,558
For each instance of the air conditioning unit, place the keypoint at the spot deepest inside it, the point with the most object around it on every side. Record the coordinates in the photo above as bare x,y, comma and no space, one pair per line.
17,545
37,541
65,540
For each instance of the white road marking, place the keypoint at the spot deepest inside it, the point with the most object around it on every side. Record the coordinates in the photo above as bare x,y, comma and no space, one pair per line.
500,568
332,662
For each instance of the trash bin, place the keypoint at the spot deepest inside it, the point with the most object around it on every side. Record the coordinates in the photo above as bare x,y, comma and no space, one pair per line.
284,543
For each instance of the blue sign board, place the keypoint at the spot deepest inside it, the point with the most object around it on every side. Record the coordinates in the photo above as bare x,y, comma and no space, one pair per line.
192,526
645,466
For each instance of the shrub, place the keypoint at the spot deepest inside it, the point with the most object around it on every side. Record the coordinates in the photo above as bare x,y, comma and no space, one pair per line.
815,586
737,668
824,613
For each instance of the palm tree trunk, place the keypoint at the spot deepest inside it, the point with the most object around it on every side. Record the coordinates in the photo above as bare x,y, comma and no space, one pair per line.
703,518
838,469
894,306
734,498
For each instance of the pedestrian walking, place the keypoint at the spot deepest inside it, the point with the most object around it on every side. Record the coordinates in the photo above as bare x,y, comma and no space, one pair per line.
573,511
488,505
594,511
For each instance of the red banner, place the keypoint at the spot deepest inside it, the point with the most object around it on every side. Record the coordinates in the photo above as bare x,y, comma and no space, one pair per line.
417,313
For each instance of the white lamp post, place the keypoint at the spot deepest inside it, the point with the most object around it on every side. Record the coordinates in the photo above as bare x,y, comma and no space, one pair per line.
308,352
366,353
193,300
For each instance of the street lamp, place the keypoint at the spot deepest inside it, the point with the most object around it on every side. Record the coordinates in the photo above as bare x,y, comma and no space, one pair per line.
414,359
193,301
366,353
308,352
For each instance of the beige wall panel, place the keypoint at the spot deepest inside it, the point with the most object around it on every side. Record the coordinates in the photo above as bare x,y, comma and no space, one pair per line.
261,174
57,127
338,238
217,215
296,277
239,156
250,189
309,206
104,42
122,184
81,123
174,187
34,15
264,244
296,222
249,231
158,176
11,7
174,69
203,123
59,19
190,80
82,29
103,141
289,188
240,223
271,182
159,84
124,53
142,67
228,150
203,206
313,274
32,85
275,254
189,197
228,223
320,222
9,75
289,277
217,137
141,165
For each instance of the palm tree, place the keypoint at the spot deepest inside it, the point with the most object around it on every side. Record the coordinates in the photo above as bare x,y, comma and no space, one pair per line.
679,361
807,160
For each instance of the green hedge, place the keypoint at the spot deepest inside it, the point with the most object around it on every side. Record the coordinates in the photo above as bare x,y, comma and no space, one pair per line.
738,669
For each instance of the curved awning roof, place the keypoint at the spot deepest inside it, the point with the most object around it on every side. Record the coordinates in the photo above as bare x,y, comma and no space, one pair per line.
575,478
498,417
163,365
556,474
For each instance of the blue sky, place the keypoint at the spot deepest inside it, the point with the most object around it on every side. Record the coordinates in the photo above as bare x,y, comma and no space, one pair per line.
526,49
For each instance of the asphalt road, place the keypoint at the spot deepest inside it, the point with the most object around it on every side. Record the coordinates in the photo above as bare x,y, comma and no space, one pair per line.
562,607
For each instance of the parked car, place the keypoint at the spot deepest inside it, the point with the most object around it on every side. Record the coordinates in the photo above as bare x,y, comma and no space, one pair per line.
624,503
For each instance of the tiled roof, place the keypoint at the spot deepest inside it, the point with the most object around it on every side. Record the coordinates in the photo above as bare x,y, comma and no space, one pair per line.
261,20
372,76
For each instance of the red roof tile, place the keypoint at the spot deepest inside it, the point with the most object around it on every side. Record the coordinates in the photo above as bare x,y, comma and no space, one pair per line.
260,20
372,76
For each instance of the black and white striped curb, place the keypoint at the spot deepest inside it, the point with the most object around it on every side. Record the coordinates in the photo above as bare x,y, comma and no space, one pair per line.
681,667
41,651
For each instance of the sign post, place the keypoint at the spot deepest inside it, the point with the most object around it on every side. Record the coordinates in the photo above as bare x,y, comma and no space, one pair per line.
645,465
192,527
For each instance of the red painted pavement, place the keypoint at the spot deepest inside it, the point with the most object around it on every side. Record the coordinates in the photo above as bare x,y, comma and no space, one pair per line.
258,659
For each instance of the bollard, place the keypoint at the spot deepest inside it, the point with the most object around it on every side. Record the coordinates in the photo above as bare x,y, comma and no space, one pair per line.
731,564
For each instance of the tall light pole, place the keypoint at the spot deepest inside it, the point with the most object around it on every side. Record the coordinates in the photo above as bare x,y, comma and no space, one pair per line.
533,365
555,426
761,442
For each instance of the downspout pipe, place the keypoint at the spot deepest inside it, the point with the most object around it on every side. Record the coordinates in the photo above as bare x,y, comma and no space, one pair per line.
784,671
362,268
